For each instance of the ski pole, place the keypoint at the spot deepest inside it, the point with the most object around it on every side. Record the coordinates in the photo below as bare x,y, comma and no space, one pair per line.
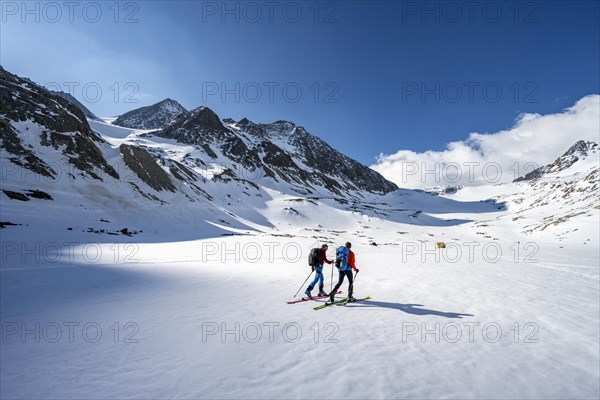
331,280
332,265
351,288
303,283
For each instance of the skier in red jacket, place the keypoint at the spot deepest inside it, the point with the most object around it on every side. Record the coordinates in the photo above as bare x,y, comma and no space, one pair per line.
346,257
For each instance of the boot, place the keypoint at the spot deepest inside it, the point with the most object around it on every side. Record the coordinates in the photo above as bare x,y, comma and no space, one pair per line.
332,296
322,292
351,299
308,290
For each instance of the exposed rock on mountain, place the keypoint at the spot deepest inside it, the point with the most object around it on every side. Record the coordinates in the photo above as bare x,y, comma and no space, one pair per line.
151,117
72,99
580,149
145,167
281,150
31,116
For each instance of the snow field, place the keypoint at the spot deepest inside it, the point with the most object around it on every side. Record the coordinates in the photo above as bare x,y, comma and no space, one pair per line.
207,325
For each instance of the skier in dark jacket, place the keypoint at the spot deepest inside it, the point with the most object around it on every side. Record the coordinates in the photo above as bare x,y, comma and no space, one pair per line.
319,273
346,266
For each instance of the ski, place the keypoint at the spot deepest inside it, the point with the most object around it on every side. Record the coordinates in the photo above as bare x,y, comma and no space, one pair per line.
327,304
345,301
308,299
339,302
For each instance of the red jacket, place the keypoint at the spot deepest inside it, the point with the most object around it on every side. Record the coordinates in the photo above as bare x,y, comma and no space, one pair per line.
323,256
351,260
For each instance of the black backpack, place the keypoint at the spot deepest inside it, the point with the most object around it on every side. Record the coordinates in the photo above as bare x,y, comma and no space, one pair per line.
314,258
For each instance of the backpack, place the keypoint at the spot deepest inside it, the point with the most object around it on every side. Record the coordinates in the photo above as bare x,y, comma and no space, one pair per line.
340,257
314,258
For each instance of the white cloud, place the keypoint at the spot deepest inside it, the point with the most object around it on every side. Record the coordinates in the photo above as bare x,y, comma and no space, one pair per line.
486,158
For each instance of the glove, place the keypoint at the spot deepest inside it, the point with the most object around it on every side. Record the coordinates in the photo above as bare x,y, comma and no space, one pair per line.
357,270
313,268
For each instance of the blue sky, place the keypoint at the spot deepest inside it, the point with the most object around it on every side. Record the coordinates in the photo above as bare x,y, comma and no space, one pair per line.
387,74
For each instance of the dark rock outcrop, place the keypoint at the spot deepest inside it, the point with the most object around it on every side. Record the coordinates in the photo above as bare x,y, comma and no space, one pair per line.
63,126
146,168
72,99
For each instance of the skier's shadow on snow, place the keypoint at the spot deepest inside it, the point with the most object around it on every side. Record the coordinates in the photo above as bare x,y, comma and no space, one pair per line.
410,309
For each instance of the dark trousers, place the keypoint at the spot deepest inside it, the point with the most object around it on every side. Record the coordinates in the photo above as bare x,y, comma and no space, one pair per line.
347,273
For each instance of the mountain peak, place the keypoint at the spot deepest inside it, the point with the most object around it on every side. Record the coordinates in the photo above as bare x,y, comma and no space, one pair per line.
151,117
283,124
581,149
170,102
205,112
201,119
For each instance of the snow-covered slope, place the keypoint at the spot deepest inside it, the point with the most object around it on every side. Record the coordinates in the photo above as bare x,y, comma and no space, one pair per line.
556,201
201,176
197,167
